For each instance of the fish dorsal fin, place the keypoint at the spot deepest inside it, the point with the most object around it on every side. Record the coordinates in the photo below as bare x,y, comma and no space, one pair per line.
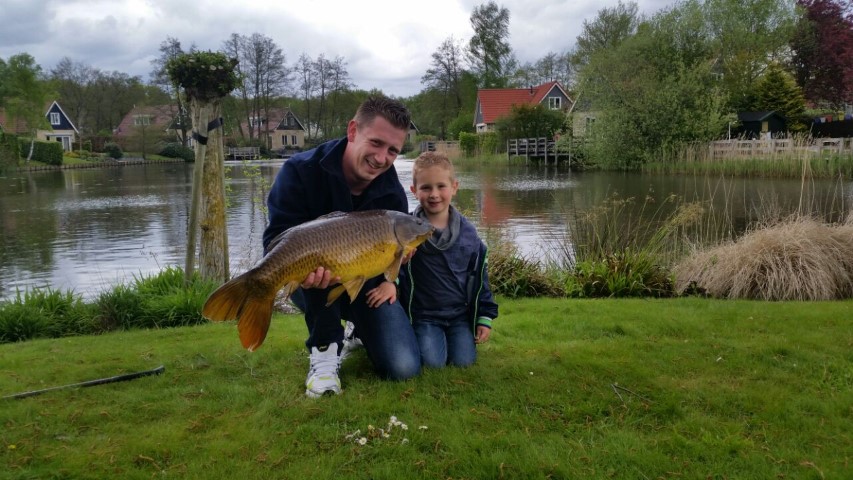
351,286
334,214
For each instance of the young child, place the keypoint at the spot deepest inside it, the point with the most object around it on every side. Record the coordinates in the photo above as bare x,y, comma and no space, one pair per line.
445,286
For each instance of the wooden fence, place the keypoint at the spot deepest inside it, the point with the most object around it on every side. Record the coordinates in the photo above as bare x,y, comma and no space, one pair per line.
779,147
244,153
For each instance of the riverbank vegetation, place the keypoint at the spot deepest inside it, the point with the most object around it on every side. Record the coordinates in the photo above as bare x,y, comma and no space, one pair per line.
627,388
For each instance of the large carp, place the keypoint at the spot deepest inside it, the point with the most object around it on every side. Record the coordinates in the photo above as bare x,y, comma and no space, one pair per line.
354,246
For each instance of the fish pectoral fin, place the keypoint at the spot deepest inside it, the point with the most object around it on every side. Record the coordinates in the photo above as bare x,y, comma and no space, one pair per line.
352,287
288,289
394,269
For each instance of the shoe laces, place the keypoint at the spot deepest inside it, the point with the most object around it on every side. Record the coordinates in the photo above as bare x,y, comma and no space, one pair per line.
325,362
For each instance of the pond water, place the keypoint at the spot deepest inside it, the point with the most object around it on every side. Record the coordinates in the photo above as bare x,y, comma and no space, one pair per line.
89,229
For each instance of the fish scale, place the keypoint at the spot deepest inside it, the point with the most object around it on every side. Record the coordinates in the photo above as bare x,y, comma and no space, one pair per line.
353,246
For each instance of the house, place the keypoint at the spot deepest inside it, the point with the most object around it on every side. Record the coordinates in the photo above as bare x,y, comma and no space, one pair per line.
61,129
157,122
412,133
583,118
760,124
494,103
281,127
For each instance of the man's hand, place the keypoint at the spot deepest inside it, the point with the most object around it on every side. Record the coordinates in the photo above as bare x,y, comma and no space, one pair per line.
386,291
320,278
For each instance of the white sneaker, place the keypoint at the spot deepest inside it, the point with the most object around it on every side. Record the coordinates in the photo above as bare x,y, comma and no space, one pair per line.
323,373
351,342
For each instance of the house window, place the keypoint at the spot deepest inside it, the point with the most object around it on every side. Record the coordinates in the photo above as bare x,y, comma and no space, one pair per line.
293,139
54,118
554,103
142,120
256,121
284,139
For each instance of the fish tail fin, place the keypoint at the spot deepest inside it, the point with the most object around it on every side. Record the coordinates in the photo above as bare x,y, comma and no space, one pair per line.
227,301
236,300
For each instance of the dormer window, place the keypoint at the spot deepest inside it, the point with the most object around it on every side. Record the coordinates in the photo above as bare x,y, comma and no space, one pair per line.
256,121
554,103
54,118
142,120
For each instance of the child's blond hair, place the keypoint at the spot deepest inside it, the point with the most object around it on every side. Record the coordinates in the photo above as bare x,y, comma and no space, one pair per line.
429,160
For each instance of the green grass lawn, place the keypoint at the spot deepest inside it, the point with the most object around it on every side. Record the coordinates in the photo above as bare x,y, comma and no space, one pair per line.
678,388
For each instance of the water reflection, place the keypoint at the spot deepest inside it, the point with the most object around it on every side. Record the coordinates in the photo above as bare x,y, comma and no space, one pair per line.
90,229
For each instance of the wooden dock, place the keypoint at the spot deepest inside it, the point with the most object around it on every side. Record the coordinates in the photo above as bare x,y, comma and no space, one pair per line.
535,148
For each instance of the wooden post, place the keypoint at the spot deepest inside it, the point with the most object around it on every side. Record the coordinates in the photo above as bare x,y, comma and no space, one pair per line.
213,249
200,117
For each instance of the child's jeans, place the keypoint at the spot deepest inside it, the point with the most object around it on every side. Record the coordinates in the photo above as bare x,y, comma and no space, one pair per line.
445,342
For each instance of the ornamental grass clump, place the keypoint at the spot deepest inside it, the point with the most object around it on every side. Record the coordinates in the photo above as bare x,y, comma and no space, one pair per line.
796,259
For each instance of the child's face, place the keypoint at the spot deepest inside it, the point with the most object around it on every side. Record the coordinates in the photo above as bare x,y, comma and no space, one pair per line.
434,189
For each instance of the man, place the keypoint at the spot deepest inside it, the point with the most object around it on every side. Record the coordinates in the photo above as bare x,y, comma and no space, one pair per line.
353,173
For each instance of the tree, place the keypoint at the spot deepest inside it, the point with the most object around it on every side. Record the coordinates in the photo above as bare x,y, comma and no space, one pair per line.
169,50
206,78
530,121
489,52
610,27
306,79
777,90
73,81
822,48
264,76
655,90
27,93
748,36
444,77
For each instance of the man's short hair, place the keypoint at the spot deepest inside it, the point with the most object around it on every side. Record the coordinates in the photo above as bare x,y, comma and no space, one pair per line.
380,106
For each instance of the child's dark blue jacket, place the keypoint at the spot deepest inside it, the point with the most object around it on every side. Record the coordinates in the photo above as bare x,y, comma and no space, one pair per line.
418,280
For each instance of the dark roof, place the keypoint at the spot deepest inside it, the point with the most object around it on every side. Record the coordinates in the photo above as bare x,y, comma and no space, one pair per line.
756,116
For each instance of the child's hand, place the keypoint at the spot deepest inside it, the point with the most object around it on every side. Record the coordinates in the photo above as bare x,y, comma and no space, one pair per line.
483,333
386,291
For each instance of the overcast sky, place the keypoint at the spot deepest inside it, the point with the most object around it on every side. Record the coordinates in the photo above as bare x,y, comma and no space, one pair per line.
387,44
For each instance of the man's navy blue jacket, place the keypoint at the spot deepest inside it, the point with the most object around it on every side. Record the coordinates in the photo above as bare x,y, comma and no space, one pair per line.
311,184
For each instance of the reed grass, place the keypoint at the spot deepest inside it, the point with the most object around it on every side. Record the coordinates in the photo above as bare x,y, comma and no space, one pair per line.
796,259
697,159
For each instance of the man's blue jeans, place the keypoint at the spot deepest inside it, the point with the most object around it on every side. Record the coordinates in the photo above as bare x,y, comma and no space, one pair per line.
385,331
445,342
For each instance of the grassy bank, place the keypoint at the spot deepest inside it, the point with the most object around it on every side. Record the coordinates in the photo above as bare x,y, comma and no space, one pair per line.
676,388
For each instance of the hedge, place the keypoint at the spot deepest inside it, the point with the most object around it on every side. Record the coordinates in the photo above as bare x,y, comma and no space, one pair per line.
45,152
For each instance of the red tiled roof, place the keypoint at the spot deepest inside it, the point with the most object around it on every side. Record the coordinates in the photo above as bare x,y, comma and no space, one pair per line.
161,117
498,102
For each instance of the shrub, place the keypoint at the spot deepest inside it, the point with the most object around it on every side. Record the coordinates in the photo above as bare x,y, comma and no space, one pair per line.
468,143
20,322
512,275
9,151
176,150
794,259
623,274
113,150
45,152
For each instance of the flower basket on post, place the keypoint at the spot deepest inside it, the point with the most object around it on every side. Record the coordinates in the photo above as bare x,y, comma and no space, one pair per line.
206,77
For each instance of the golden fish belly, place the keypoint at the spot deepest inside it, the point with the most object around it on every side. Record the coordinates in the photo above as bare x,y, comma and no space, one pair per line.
366,251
